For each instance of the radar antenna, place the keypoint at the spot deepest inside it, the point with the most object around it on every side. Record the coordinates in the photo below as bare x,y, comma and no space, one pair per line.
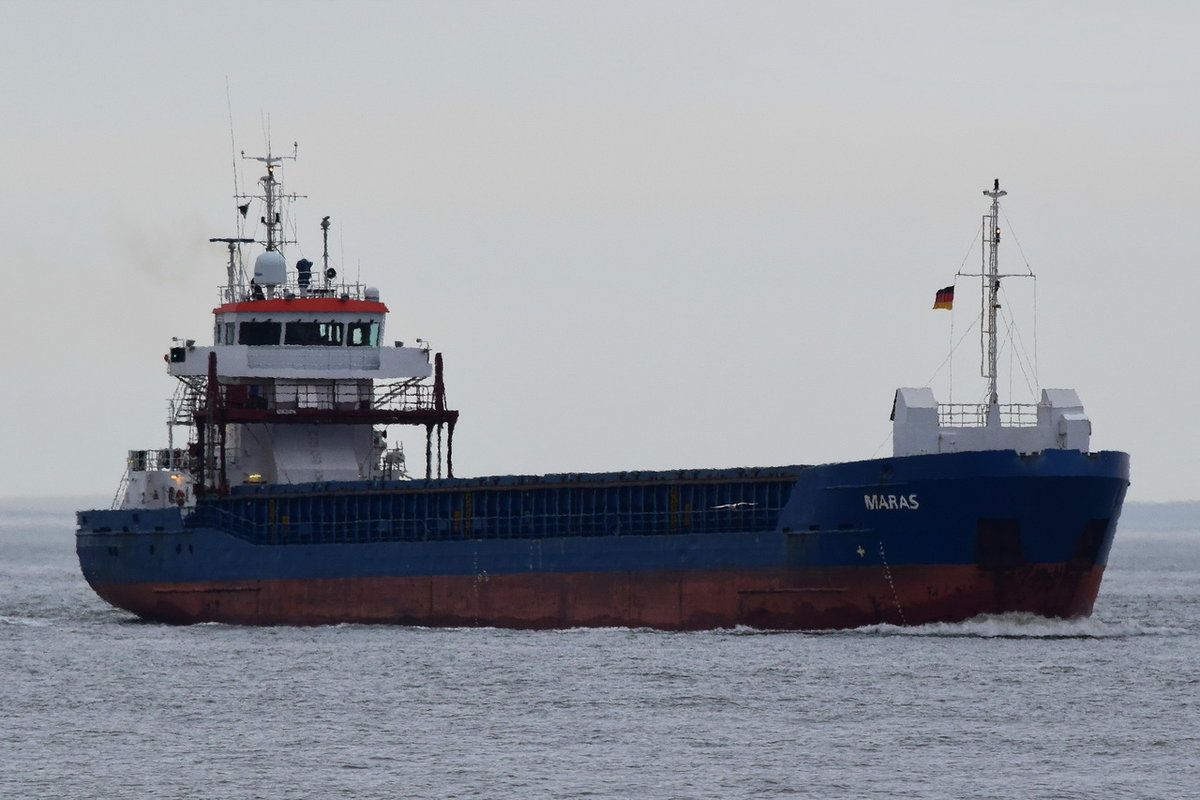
273,195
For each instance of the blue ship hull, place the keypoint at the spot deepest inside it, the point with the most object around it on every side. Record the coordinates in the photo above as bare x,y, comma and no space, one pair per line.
902,540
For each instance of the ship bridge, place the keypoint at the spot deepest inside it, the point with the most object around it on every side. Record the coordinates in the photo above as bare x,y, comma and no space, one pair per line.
292,337
295,381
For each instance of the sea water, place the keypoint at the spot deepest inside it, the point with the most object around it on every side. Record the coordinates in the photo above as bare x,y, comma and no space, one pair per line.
95,704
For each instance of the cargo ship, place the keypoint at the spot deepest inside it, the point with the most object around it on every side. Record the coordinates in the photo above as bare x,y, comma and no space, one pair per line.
278,499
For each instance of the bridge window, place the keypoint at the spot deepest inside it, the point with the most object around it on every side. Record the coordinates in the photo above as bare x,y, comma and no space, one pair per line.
313,333
259,333
362,334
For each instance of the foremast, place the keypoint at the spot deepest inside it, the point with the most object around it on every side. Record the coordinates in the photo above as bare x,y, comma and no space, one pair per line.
990,279
922,425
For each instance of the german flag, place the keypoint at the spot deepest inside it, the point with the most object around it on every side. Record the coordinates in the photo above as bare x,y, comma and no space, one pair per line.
944,298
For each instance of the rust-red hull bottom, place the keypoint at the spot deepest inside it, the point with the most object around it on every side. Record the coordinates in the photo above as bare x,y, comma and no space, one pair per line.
786,599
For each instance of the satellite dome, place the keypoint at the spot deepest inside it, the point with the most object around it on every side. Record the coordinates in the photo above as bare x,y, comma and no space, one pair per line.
270,269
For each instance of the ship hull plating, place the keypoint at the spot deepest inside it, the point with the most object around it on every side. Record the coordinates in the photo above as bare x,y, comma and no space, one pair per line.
901,541
846,597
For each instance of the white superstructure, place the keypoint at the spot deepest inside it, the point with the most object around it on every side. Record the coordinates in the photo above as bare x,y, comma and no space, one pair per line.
297,386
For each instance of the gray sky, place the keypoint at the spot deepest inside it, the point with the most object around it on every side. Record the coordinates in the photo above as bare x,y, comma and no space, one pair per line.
645,235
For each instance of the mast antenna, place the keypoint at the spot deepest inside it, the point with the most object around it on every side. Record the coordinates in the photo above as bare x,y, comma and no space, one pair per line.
273,195
990,277
233,287
325,252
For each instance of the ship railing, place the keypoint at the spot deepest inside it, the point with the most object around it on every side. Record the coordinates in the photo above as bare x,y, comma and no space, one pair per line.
161,459
211,515
413,393
318,287
173,459
122,487
975,415
392,464
332,395
189,396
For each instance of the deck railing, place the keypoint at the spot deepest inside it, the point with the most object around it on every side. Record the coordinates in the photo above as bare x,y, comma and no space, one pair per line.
163,458
974,415
317,288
